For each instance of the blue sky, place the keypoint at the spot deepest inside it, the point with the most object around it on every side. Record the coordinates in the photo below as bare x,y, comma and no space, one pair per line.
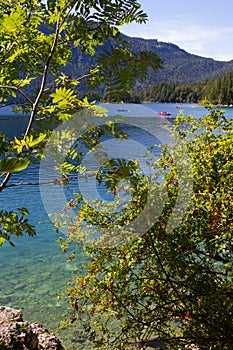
201,27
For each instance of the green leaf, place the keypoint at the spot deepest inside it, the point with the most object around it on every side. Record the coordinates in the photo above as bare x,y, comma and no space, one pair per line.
35,142
13,164
2,240
23,211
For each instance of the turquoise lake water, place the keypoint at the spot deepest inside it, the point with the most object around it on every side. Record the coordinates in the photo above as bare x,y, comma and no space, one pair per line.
35,271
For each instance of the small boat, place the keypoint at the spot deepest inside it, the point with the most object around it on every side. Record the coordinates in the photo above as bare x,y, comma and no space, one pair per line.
122,110
164,113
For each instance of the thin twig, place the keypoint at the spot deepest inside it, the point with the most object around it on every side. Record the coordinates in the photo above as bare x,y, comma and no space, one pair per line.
166,274
12,104
12,87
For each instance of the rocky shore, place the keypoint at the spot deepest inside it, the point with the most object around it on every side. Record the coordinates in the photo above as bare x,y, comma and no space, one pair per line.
17,334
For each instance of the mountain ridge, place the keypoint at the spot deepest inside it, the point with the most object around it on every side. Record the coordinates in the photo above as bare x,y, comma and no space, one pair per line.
179,66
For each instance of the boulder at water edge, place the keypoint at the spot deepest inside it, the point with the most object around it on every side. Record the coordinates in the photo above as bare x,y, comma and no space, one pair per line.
17,334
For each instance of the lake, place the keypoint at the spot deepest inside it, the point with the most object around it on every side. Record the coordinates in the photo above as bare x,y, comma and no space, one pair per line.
35,272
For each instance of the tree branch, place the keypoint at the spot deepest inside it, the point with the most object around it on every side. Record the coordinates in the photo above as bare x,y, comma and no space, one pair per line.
11,104
12,87
165,272
36,103
41,90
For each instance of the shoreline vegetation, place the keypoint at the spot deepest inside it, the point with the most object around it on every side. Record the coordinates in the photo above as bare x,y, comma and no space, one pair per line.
219,92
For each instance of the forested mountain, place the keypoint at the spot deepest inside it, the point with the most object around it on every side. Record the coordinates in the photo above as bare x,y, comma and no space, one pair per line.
217,91
179,66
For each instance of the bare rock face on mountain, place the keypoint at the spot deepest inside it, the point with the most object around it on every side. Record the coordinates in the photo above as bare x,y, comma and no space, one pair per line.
17,334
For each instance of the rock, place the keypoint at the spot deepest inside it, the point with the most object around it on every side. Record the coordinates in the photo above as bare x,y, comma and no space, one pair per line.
17,334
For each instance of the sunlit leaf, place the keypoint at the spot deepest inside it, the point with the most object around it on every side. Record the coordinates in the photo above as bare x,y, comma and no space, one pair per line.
13,164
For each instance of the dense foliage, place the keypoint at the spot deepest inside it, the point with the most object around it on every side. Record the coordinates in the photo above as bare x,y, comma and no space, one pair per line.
173,286
218,91
171,92
37,42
